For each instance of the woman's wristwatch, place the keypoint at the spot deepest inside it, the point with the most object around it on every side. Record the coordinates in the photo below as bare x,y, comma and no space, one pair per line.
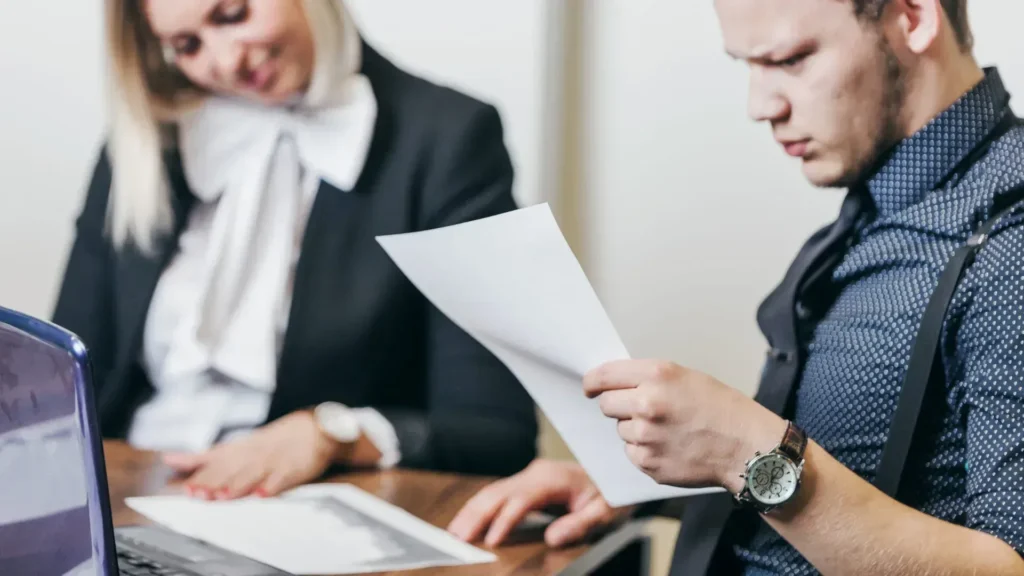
338,422
346,425
773,478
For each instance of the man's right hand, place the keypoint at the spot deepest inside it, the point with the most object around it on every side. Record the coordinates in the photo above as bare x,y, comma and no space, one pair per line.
504,503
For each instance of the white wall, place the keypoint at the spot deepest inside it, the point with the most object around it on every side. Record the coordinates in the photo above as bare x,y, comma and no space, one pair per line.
501,51
50,123
693,213
997,40
52,112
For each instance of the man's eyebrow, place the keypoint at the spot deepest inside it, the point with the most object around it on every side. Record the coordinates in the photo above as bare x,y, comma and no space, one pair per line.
757,54
770,53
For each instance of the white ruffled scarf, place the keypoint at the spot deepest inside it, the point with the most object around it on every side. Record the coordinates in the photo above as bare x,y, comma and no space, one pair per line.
249,159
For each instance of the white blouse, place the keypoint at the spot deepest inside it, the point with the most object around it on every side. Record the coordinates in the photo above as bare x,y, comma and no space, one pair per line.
214,329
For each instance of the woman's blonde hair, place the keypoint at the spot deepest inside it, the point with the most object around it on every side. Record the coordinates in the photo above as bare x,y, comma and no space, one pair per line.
146,94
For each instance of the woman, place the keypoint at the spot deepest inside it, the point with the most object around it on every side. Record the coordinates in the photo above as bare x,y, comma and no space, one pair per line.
241,316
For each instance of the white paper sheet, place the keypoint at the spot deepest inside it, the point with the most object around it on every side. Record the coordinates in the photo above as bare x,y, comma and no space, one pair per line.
512,282
317,529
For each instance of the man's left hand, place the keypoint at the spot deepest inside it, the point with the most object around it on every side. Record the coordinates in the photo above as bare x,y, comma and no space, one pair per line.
682,427
283,454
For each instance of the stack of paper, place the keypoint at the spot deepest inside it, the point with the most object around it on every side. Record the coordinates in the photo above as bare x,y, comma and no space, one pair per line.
316,529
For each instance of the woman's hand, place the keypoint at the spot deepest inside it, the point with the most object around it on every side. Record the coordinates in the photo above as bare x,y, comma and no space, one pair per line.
281,455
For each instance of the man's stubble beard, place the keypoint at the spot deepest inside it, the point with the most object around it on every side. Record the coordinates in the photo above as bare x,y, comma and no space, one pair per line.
890,126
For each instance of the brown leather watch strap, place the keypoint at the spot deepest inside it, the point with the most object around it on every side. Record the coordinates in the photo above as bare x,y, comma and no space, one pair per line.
794,442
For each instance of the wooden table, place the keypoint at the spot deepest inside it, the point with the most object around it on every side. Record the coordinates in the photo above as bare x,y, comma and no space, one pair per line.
433,497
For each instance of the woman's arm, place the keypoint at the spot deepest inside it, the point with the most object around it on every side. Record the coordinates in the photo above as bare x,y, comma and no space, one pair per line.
480,418
84,304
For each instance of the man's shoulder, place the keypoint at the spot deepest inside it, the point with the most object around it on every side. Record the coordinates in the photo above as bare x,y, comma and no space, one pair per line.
996,185
990,184
997,178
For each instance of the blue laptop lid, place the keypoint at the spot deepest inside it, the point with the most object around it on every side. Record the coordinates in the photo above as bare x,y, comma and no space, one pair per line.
54,506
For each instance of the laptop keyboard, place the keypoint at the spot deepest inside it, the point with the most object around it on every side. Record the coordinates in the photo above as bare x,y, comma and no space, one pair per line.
132,564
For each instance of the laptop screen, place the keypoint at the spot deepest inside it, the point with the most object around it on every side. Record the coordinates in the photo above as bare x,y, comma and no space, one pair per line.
45,525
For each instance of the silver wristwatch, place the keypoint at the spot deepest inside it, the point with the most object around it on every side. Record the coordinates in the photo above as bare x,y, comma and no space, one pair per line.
773,478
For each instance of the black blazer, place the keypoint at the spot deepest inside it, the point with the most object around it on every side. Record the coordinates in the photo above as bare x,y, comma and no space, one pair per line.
359,332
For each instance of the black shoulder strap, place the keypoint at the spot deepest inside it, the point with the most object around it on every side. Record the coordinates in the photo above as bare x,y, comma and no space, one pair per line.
926,367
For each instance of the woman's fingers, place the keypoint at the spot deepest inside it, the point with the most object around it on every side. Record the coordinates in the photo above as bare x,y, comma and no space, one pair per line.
244,481
184,462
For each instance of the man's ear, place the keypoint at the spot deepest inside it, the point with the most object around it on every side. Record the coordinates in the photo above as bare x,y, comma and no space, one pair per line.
918,22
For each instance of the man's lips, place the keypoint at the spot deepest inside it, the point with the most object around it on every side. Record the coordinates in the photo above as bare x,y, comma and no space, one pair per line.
795,148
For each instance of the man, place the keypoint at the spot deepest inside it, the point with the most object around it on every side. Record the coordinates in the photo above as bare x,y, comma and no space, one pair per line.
882,97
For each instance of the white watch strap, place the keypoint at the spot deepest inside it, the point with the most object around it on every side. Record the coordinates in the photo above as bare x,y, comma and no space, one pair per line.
381,433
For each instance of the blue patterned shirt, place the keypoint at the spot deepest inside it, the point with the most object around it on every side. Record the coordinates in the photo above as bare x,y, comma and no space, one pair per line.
971,471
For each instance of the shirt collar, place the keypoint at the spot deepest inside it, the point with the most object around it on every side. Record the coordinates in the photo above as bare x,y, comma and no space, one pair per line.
919,163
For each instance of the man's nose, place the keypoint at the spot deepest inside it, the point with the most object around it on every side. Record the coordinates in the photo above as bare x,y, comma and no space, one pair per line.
764,101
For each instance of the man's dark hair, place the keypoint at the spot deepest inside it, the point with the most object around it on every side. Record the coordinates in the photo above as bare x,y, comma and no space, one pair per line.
955,9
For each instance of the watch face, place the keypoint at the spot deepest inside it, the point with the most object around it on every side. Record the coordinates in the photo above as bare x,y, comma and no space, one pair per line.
772,479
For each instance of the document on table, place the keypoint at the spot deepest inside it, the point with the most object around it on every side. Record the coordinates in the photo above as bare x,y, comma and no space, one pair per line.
315,529
512,282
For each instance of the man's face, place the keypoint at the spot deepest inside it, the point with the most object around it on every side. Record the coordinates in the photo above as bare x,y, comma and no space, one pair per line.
827,82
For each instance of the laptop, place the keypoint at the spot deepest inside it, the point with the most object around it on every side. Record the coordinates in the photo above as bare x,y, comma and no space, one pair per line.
55,517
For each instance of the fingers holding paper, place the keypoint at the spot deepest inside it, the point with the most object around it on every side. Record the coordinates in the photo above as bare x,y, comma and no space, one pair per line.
680,426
